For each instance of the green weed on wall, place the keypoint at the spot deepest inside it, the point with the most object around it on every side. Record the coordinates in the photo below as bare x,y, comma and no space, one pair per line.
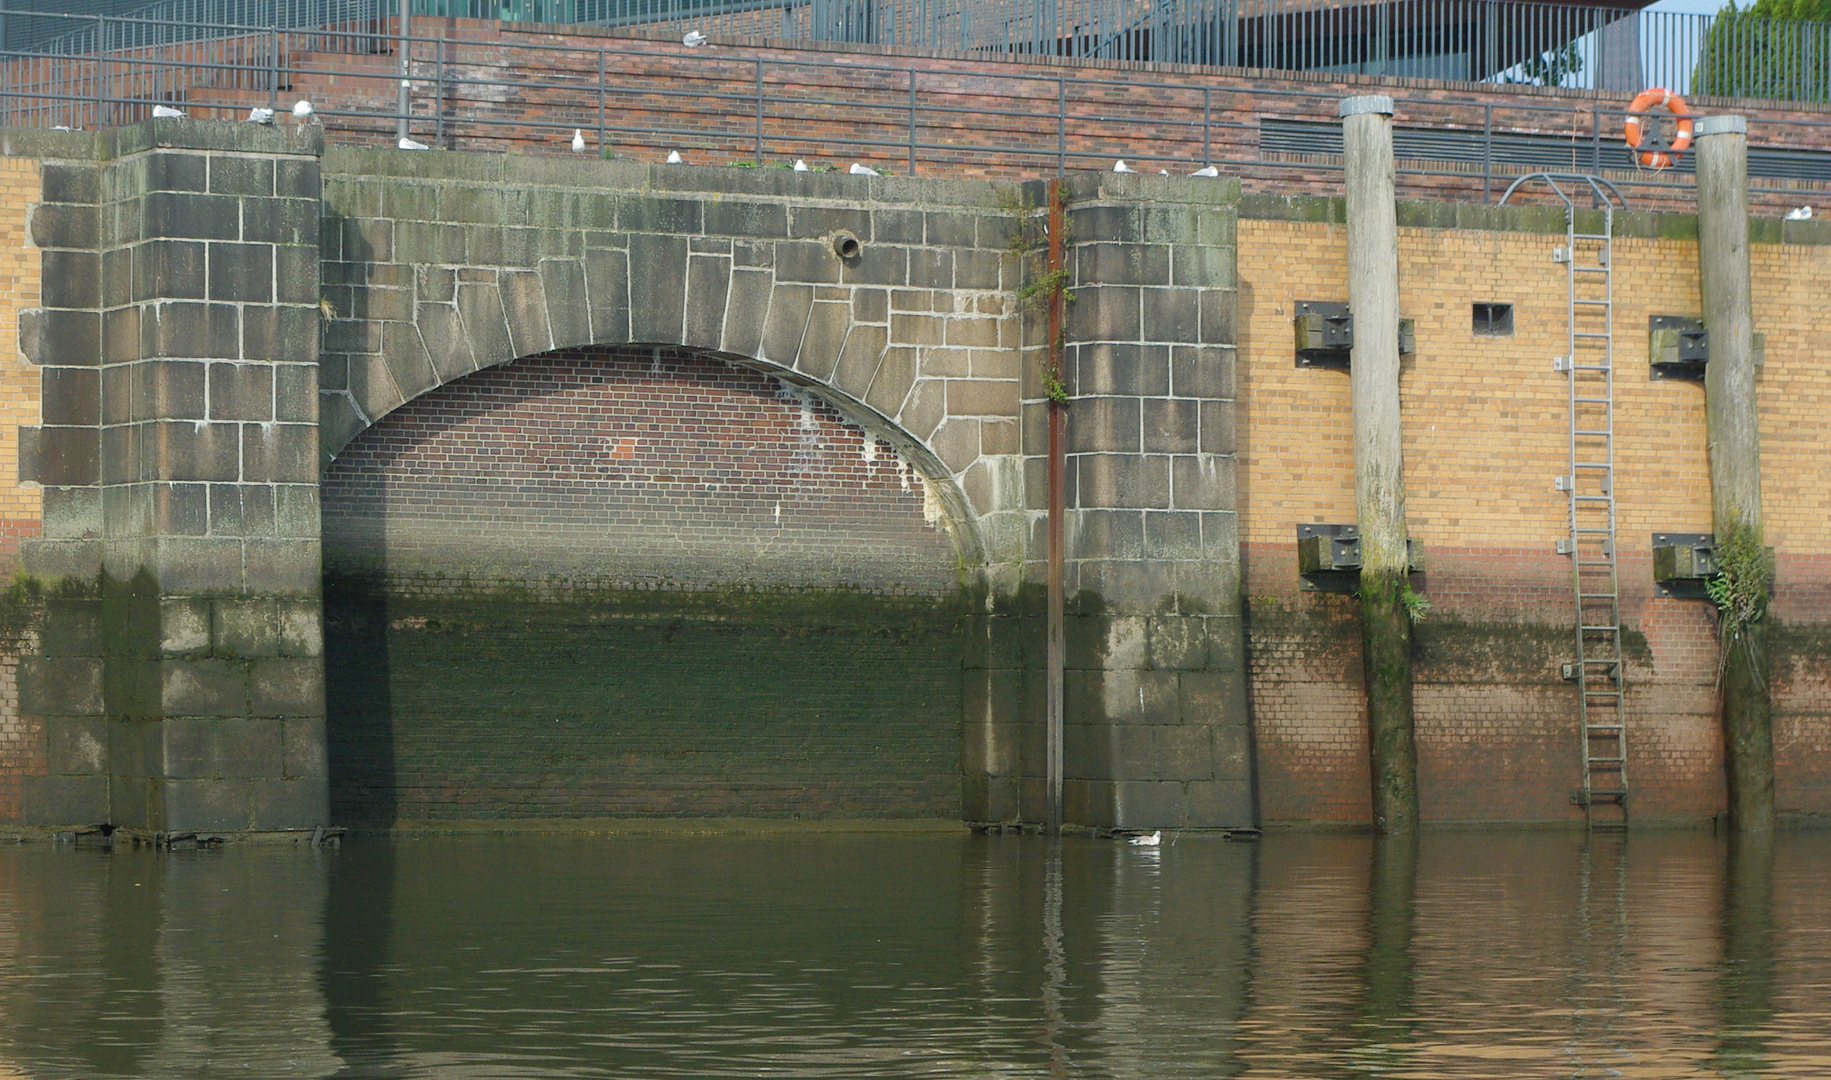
746,704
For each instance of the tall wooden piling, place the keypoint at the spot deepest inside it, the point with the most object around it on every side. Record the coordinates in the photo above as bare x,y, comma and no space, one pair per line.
1734,441
1379,478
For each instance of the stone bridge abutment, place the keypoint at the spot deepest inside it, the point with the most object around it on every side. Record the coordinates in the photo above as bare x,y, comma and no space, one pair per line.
231,311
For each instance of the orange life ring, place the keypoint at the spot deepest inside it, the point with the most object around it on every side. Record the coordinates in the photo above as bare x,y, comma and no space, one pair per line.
1659,159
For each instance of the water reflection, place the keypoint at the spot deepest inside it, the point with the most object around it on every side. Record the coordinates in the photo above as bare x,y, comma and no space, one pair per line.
1454,955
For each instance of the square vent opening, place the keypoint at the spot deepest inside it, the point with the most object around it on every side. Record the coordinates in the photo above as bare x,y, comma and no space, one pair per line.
1494,320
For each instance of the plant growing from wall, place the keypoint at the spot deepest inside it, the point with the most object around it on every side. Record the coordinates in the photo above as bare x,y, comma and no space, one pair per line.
1028,248
1740,591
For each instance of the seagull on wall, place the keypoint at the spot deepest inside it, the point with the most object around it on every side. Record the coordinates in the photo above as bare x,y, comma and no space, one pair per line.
1804,213
260,116
674,158
694,39
801,166
1121,166
1151,839
578,140
1207,171
302,110
412,144
863,170
165,112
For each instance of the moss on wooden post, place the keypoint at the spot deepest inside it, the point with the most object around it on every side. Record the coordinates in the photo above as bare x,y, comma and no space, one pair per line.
1734,441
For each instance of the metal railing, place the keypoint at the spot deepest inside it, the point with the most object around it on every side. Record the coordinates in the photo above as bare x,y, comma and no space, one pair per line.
1507,41
642,99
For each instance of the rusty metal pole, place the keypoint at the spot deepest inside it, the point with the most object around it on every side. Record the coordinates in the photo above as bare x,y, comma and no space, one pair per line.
1057,467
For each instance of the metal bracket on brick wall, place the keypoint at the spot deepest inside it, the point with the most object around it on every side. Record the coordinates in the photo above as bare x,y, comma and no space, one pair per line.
1678,347
1683,564
1329,557
1325,334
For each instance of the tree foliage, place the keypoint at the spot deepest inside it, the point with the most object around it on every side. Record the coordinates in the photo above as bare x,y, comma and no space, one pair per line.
1776,49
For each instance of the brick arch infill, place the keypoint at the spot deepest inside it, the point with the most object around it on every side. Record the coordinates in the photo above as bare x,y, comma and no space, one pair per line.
747,319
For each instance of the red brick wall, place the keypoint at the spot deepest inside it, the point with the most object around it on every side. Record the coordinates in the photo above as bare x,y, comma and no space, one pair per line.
632,582
631,468
976,116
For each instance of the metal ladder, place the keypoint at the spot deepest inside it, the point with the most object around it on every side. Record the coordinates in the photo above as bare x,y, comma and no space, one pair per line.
1589,370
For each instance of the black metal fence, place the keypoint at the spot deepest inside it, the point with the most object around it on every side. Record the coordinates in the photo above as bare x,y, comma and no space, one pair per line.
643,99
1570,45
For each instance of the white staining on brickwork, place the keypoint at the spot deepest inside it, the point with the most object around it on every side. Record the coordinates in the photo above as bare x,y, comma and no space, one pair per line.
902,472
869,449
933,512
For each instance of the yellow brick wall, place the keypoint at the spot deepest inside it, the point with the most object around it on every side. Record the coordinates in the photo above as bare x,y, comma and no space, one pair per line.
1485,421
20,504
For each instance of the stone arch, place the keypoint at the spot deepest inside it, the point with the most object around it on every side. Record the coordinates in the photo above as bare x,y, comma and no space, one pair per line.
740,315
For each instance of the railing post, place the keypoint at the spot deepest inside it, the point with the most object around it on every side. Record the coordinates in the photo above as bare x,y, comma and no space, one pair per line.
1061,125
98,70
1487,154
1207,126
406,62
759,91
912,122
273,68
600,104
438,98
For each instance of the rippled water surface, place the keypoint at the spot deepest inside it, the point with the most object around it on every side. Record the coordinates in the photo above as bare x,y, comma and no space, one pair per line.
831,955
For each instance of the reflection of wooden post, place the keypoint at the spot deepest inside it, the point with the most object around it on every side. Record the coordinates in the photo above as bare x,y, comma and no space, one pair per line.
1734,440
1379,476
1747,983
1387,973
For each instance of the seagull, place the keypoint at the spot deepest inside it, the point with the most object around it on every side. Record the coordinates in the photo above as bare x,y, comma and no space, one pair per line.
1208,171
260,116
578,140
412,144
801,166
694,39
1163,172
1121,166
863,170
674,158
1148,840
165,113
302,110
1804,213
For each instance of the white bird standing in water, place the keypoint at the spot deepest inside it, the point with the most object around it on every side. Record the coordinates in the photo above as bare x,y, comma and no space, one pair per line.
1804,213
578,141
1151,839
1121,166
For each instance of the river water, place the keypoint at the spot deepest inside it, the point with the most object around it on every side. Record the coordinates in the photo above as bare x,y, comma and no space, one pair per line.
854,955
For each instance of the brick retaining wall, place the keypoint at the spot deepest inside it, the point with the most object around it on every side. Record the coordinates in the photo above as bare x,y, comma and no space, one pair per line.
636,581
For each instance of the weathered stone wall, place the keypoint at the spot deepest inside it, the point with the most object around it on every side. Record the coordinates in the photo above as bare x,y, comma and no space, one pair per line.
178,674
1485,433
1154,705
439,265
